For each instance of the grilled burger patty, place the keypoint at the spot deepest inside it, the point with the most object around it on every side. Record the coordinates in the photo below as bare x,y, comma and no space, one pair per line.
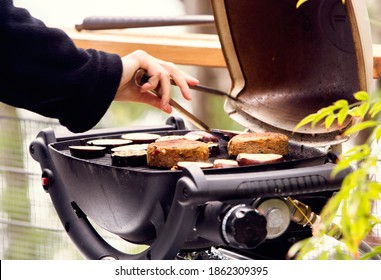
258,143
166,154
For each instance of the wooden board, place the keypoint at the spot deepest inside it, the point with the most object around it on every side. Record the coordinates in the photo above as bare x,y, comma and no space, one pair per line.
376,61
185,49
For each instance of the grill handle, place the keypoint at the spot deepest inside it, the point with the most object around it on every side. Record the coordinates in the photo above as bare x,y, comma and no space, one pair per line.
104,22
277,183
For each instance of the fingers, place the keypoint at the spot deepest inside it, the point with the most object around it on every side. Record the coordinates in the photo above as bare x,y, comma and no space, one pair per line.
160,82
153,100
182,83
161,73
181,79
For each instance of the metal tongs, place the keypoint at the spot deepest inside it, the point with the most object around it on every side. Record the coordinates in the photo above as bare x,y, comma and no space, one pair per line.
141,78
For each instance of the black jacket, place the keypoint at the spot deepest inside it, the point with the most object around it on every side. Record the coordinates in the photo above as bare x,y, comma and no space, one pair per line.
41,70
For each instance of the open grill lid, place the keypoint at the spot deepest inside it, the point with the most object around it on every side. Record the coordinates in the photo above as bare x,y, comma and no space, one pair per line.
288,62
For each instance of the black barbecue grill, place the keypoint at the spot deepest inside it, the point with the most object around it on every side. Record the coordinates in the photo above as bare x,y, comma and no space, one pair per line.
285,63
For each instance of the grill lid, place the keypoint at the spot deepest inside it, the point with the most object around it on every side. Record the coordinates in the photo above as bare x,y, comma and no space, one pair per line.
288,62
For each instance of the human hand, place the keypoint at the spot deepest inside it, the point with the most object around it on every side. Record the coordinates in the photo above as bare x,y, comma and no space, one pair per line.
160,73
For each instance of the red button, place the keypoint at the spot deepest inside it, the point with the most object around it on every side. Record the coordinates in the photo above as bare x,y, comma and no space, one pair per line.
45,181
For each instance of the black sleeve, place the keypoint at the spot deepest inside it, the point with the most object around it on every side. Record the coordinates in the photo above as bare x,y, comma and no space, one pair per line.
41,70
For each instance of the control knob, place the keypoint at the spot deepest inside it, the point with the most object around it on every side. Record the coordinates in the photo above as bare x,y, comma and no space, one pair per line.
244,227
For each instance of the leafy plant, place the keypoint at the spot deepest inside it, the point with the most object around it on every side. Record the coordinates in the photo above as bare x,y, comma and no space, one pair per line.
301,2
352,204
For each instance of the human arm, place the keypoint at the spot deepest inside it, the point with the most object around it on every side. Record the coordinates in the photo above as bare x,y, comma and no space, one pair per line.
42,70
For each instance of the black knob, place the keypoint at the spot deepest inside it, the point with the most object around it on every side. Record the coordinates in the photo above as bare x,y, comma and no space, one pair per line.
244,227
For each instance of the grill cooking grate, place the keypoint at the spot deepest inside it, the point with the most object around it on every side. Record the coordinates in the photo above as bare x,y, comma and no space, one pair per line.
299,155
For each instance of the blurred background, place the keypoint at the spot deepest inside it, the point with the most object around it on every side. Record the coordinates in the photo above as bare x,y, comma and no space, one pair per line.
29,227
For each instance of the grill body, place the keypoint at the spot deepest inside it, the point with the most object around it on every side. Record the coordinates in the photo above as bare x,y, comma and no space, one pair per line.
166,209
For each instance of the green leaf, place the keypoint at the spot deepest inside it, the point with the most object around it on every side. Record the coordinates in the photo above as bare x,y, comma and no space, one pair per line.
300,2
355,152
353,155
375,186
324,255
305,121
323,113
360,111
362,96
364,109
340,166
327,112
331,208
345,163
376,108
342,115
341,103
377,133
329,121
376,251
360,126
